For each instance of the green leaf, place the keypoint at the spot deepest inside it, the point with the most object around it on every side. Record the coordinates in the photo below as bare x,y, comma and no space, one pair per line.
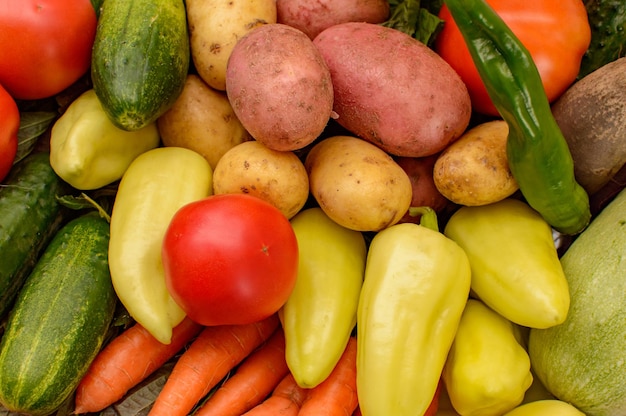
32,125
416,18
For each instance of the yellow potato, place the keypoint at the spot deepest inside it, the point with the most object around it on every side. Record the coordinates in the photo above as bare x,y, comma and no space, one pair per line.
357,184
278,177
202,120
215,26
474,170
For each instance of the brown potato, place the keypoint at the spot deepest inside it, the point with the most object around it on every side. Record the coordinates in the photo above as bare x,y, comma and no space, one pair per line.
274,176
215,26
393,90
313,16
474,170
202,120
356,184
280,87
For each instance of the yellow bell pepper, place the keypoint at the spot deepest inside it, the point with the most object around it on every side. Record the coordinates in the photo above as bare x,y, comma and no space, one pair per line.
545,408
320,314
155,185
416,285
515,265
487,371
88,151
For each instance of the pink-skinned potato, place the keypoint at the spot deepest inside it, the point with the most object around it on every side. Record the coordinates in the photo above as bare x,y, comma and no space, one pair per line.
279,87
425,192
392,90
313,16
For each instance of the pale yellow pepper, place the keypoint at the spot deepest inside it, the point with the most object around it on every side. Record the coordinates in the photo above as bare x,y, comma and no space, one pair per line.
88,151
320,314
545,408
487,371
416,285
155,185
515,265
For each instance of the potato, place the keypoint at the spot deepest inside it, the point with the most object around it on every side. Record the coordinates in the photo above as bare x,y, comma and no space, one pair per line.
312,17
357,184
592,117
279,87
202,120
392,90
215,26
425,193
274,176
474,170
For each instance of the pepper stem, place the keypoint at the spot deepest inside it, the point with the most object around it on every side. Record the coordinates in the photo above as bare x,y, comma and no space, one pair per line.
428,219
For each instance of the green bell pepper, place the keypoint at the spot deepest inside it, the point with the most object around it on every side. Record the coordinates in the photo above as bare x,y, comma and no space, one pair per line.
539,157
320,314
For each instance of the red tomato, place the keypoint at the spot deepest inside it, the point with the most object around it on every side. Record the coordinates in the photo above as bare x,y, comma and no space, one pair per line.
45,45
556,33
9,125
230,259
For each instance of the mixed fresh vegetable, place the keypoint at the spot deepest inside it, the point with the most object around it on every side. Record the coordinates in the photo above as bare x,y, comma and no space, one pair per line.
346,208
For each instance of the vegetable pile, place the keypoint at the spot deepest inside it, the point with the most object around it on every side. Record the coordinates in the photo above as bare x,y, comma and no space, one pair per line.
285,207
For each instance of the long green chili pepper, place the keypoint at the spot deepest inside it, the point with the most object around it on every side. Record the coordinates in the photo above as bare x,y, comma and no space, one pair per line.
539,157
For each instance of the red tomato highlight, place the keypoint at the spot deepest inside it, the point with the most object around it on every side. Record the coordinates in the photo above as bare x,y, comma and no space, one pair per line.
9,125
45,45
230,259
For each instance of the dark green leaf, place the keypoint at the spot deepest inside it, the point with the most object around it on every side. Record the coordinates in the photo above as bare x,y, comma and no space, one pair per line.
32,125
416,18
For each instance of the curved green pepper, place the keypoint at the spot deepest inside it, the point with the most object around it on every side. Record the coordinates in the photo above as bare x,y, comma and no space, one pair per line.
538,154
416,285
320,314
515,265
487,371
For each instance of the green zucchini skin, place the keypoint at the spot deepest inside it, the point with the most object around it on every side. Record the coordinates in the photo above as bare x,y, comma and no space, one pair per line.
140,59
59,320
583,360
29,216
607,19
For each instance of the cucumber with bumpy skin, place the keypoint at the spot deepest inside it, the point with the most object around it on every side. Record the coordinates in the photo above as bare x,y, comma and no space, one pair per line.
140,59
607,19
29,217
59,320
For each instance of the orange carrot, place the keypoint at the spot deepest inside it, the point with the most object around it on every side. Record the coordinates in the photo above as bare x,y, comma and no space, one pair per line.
336,395
285,400
216,351
126,361
252,382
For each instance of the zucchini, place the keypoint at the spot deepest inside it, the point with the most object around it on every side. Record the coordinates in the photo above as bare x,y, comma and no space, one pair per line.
607,19
29,217
140,59
59,320
583,360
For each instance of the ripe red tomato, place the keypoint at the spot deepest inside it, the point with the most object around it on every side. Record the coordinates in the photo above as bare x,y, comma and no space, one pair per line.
45,45
9,125
230,259
556,33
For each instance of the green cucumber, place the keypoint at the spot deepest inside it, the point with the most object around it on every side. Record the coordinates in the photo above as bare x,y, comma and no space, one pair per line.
59,320
140,59
583,360
29,216
607,19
